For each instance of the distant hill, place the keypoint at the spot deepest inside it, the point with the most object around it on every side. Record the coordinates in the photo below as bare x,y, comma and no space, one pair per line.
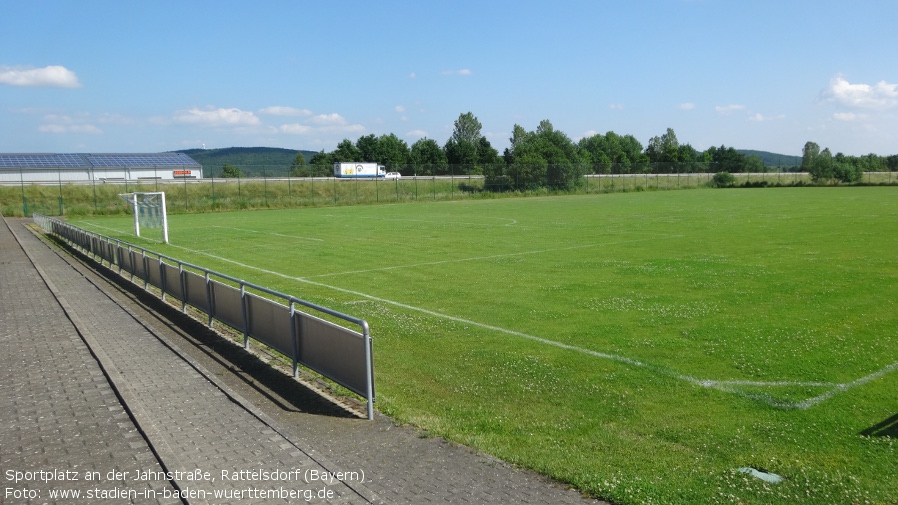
773,159
253,161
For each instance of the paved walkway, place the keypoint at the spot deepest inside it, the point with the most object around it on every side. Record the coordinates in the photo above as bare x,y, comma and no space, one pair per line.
113,394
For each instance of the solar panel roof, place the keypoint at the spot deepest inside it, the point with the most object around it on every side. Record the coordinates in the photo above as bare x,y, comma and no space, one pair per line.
139,160
42,160
95,160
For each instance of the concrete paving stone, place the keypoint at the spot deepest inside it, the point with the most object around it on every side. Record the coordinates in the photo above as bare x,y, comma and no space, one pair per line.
58,419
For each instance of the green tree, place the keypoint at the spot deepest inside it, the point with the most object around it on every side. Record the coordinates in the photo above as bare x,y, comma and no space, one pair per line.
726,159
367,148
809,153
229,171
391,151
544,157
664,149
632,157
427,156
299,167
346,151
754,164
467,129
849,169
462,148
322,164
462,154
821,166
486,153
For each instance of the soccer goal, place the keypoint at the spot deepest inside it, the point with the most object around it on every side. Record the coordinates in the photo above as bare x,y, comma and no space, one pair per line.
149,211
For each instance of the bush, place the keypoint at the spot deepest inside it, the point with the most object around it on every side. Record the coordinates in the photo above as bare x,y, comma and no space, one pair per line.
723,180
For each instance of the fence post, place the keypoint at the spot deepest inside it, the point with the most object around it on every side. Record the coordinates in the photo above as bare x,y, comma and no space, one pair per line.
245,319
211,307
183,288
295,338
369,369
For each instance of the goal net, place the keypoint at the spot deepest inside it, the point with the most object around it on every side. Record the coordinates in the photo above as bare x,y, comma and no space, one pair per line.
149,211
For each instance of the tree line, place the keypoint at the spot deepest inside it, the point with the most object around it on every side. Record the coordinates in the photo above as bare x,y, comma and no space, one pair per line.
826,167
548,157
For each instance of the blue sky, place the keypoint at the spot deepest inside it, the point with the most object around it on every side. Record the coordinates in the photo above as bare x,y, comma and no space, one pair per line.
136,76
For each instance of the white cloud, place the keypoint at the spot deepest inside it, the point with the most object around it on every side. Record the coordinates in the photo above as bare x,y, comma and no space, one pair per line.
117,119
727,109
412,75
849,116
295,129
60,123
400,109
279,110
349,128
217,117
879,96
323,124
758,117
52,128
416,133
53,76
686,106
589,133
616,106
85,128
328,120
464,71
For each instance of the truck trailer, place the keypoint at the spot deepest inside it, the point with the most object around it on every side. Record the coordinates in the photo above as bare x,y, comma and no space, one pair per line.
359,170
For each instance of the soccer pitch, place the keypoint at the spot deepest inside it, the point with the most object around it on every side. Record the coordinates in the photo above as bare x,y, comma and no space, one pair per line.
640,346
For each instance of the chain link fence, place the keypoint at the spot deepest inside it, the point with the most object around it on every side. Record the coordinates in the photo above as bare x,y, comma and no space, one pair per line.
275,187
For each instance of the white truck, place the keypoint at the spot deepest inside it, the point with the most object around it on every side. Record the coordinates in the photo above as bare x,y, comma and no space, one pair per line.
359,170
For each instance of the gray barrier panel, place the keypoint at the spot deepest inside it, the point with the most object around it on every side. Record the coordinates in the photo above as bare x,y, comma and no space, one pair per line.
269,323
124,260
140,268
332,351
196,291
154,274
108,252
172,281
104,250
227,306
113,252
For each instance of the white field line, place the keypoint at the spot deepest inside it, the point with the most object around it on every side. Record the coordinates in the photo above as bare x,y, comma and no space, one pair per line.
489,257
840,388
725,386
267,233
511,222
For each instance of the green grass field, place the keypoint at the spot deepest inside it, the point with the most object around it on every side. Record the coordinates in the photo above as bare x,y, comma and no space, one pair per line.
640,346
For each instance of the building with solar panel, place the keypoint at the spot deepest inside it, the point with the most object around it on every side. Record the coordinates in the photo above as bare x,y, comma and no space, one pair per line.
56,168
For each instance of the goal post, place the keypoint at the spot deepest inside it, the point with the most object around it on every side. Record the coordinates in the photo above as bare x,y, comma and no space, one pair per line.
149,211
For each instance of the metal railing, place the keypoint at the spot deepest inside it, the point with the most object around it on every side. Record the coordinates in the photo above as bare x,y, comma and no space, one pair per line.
341,354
